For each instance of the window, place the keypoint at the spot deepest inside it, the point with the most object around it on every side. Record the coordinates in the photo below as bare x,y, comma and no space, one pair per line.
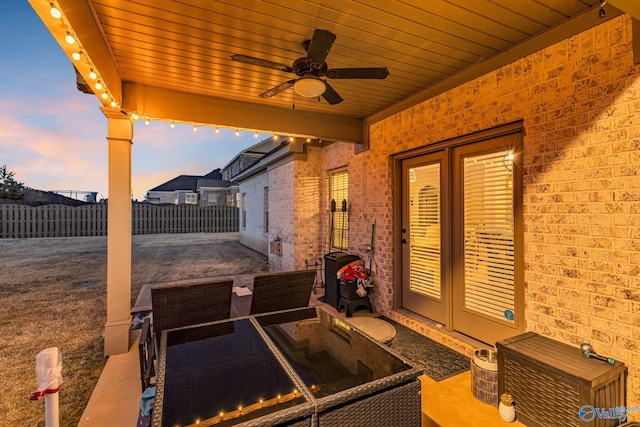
244,210
191,198
339,209
266,210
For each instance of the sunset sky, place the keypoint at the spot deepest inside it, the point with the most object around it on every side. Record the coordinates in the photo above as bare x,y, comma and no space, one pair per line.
53,137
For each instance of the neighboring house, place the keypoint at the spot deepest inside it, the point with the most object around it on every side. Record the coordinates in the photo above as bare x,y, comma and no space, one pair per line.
207,190
248,169
216,192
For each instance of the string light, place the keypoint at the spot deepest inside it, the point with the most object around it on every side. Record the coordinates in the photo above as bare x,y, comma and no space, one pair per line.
602,13
196,126
76,56
114,104
93,75
98,85
105,95
55,12
69,38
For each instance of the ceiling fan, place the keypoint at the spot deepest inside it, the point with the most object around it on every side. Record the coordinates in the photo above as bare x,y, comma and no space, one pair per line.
311,68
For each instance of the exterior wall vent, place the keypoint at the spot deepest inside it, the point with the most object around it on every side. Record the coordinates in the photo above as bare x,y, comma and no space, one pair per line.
275,247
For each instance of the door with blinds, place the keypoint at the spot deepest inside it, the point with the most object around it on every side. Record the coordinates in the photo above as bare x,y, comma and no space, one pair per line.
424,290
462,237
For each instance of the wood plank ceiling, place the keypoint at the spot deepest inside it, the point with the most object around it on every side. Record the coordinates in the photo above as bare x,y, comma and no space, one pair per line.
185,46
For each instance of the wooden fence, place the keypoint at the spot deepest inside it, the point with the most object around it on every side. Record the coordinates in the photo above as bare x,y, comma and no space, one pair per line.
20,221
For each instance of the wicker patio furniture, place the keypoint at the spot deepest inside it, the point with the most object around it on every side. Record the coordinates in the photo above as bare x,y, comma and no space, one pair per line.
282,291
146,350
299,367
185,304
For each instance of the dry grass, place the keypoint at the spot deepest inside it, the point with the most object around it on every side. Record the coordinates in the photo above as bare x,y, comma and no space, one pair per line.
42,304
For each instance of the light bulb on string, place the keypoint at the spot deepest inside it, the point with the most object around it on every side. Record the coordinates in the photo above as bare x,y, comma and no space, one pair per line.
172,125
237,132
114,104
217,130
93,75
76,56
69,38
195,128
55,12
134,116
255,135
98,85
275,137
290,139
146,122
104,95
308,139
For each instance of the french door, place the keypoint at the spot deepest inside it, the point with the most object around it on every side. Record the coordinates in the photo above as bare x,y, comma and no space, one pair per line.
461,236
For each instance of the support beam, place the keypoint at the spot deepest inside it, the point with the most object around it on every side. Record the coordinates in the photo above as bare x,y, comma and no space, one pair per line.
632,7
120,134
165,104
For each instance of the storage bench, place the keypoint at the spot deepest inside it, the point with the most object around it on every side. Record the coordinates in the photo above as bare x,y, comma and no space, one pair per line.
551,382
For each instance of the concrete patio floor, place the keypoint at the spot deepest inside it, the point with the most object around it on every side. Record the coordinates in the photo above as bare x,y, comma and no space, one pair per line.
115,399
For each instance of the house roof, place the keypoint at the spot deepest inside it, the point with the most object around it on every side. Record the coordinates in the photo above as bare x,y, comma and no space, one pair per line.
182,182
169,60
193,182
256,151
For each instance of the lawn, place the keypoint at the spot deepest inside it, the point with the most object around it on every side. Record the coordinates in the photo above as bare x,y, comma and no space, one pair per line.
53,294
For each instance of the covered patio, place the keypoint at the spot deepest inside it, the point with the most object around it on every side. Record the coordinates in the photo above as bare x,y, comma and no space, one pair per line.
560,74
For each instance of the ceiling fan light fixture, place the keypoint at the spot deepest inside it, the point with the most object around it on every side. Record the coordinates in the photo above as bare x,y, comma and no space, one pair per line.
309,87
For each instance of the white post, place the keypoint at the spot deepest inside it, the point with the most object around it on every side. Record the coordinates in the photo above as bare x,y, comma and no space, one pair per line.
51,410
49,376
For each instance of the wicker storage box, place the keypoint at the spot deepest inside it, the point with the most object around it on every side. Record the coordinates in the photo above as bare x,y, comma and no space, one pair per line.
550,382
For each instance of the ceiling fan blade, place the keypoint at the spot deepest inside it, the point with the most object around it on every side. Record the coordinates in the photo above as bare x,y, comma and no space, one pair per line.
320,46
276,90
331,95
261,62
357,73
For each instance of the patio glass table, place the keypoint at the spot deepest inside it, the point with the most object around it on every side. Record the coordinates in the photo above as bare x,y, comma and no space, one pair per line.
294,367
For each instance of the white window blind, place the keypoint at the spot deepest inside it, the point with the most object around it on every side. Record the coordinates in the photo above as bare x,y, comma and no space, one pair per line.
339,193
424,212
488,234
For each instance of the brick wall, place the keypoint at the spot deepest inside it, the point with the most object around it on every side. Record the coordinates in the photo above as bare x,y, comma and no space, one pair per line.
308,204
281,215
252,234
580,103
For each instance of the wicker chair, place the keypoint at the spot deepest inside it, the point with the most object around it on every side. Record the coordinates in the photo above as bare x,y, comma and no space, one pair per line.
184,304
146,350
282,291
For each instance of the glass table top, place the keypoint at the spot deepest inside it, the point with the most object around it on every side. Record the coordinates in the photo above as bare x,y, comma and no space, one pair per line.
326,353
222,374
